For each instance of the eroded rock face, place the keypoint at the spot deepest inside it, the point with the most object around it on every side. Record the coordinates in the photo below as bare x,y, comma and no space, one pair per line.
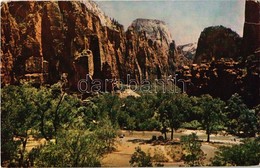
42,41
150,48
220,78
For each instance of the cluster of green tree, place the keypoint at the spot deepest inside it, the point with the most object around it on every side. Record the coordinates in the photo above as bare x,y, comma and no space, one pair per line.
76,135
85,130
161,111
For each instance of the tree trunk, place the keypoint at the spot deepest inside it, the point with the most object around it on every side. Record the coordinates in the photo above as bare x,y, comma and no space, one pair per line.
21,160
171,133
208,136
42,127
164,131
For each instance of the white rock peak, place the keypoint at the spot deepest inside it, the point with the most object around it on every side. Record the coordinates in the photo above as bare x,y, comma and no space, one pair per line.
155,29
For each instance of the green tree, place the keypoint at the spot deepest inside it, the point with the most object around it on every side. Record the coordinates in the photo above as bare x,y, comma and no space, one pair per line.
212,114
75,148
192,153
17,122
134,112
257,113
28,111
140,159
106,132
173,110
240,118
108,105
246,154
43,101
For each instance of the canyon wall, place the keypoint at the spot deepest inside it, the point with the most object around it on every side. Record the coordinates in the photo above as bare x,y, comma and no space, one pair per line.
44,42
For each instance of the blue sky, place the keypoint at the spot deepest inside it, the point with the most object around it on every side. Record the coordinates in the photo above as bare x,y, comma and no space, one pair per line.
185,18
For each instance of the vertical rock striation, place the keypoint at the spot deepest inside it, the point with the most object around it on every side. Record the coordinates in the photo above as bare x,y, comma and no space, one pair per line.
150,48
42,41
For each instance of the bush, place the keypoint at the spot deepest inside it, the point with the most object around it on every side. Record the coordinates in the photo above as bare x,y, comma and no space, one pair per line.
159,156
72,148
192,153
194,125
175,152
150,125
140,159
245,154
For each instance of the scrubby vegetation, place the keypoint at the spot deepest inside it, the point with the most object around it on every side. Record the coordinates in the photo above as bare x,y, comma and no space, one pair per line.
245,154
192,153
80,132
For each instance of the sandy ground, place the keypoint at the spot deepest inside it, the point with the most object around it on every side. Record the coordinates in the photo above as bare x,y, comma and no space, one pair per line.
126,146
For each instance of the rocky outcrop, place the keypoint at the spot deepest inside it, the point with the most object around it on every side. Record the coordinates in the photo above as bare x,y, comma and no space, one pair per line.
43,41
217,42
220,78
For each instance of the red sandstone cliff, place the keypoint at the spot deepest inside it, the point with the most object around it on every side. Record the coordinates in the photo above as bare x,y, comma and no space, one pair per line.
42,41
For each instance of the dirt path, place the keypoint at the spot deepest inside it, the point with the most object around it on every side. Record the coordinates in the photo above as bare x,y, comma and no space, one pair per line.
209,150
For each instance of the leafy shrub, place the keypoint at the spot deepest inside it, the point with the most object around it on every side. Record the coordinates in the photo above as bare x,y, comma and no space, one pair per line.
192,153
150,125
72,148
245,154
159,156
175,152
194,125
140,159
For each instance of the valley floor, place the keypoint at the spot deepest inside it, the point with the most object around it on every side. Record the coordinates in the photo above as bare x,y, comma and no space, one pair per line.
126,146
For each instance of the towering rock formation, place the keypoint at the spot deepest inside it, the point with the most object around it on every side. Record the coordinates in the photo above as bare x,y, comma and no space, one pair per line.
150,48
251,52
217,42
251,37
42,41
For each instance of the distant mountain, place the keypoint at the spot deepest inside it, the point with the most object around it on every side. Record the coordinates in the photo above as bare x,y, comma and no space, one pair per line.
186,54
188,50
